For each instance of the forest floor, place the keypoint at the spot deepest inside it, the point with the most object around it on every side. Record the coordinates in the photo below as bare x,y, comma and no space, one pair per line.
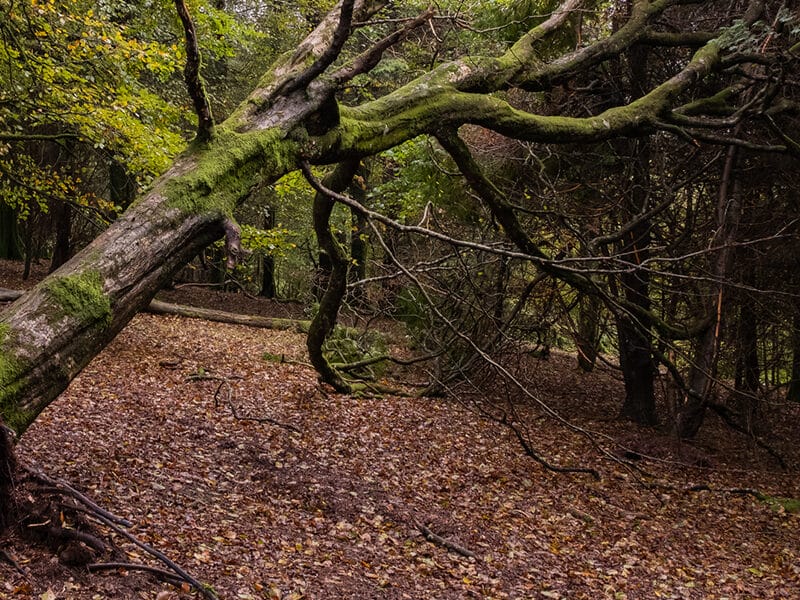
332,497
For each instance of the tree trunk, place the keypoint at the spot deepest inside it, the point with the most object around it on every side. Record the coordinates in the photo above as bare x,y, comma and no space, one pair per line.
748,373
325,320
122,187
62,222
9,236
638,370
704,364
358,235
268,261
634,330
793,393
588,338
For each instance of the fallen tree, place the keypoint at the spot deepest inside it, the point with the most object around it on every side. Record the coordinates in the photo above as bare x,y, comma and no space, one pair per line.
293,117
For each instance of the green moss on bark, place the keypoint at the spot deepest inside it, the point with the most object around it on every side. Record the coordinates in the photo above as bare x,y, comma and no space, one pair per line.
226,168
81,296
10,370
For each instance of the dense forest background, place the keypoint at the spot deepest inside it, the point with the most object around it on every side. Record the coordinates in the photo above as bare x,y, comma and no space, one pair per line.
491,182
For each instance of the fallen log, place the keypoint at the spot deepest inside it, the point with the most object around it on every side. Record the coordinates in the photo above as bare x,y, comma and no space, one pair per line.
7,295
207,314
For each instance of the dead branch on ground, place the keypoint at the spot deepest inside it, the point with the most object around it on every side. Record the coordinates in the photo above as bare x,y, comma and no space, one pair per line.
437,539
116,524
224,382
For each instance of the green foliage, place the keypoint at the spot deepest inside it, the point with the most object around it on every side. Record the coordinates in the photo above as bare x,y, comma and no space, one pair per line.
76,91
272,242
87,82
412,309
781,504
740,37
408,180
67,68
257,244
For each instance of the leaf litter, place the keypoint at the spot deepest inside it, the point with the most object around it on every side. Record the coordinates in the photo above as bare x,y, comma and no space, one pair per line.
340,509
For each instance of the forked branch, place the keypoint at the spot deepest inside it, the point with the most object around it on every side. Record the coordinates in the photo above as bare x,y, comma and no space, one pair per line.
191,72
331,53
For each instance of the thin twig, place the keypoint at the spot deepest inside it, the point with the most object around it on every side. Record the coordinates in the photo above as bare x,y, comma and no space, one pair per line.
437,539
225,381
239,417
10,559
162,573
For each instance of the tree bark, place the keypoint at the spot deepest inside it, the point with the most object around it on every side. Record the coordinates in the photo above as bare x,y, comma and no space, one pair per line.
747,363
588,334
9,236
793,392
62,223
358,234
634,330
336,286
267,289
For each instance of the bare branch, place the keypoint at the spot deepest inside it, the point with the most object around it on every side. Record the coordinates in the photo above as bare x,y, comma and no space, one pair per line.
437,539
340,36
191,72
369,59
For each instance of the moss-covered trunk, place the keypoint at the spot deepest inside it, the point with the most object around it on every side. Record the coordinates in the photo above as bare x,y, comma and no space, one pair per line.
51,333
325,320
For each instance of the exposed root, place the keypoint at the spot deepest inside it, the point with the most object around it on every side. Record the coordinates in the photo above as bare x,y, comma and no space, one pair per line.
57,515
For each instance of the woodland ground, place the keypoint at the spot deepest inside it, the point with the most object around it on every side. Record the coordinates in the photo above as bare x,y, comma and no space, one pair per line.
334,510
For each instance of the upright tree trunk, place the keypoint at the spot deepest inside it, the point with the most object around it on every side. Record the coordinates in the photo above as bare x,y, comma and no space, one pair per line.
747,362
704,364
793,393
62,223
636,356
634,330
588,334
268,261
358,237
122,187
9,236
